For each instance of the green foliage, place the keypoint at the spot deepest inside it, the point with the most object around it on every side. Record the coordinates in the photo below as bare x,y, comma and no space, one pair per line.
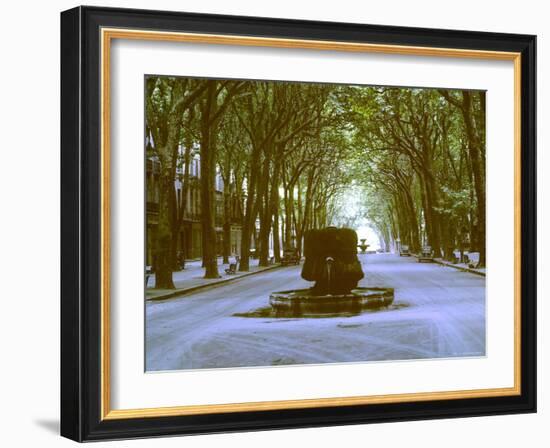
414,157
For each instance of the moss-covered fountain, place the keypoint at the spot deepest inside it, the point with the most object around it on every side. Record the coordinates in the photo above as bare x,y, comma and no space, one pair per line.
331,261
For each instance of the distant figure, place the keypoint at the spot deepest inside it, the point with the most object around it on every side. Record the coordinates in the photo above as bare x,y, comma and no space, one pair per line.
331,260
233,266
181,259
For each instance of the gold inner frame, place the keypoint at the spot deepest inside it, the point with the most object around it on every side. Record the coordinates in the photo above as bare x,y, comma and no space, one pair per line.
107,35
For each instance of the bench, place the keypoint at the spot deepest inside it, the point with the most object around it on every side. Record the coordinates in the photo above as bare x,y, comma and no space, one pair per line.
148,273
232,269
426,254
472,262
404,251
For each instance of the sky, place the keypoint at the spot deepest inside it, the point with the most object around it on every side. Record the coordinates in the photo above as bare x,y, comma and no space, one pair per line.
352,206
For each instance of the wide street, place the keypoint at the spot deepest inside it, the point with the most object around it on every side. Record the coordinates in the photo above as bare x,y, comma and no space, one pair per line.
438,312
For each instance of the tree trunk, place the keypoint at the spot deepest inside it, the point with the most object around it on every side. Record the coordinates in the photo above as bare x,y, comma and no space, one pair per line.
180,204
431,215
208,173
163,259
265,214
226,241
289,212
274,209
414,240
250,211
227,196
246,235
299,219
276,237
475,153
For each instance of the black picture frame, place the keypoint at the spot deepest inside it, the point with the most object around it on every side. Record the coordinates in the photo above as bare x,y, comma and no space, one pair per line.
81,224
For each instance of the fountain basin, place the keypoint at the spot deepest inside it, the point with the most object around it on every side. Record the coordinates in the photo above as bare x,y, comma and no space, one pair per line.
302,303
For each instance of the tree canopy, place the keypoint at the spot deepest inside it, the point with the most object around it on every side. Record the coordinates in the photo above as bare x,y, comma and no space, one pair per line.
288,153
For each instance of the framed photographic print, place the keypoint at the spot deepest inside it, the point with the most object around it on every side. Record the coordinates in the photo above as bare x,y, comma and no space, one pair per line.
272,223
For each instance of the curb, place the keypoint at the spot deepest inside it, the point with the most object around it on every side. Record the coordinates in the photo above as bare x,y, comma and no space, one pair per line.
186,291
460,268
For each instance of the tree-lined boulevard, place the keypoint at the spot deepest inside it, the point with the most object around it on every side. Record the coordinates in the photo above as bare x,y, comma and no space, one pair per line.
290,156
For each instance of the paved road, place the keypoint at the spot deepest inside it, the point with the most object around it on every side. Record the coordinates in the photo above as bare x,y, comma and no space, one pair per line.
438,312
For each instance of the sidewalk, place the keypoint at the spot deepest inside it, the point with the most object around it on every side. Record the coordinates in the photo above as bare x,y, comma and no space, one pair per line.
192,279
462,267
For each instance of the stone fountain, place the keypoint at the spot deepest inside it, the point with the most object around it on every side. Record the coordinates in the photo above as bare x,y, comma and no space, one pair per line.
363,246
331,262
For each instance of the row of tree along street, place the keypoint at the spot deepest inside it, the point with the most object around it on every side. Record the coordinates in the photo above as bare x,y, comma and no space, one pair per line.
289,152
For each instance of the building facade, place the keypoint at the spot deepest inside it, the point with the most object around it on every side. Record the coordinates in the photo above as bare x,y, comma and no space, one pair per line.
189,238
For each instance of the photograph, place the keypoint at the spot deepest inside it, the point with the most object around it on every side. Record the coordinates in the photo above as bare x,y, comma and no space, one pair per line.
274,223
292,223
